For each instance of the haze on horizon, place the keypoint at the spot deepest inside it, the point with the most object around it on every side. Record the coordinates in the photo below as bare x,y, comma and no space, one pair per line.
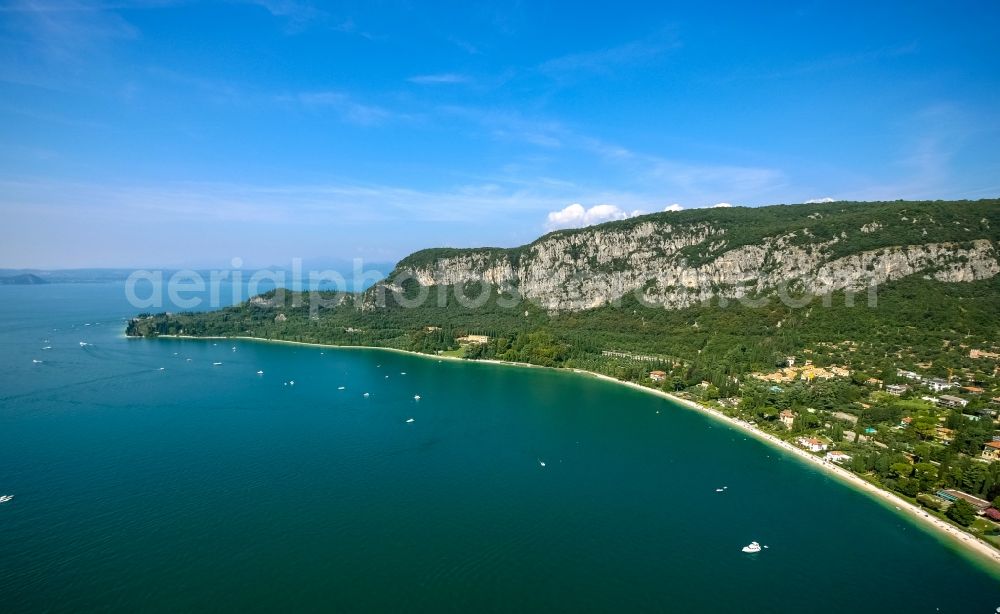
177,133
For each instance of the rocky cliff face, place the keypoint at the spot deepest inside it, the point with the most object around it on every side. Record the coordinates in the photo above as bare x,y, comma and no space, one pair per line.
676,264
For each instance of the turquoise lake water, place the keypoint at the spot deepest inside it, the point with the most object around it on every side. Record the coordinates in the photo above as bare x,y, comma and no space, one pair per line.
209,487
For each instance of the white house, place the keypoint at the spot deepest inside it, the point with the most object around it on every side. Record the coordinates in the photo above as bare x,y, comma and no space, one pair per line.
908,375
836,456
812,444
937,385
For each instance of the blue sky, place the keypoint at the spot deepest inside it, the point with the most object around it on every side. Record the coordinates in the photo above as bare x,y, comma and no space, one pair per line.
167,133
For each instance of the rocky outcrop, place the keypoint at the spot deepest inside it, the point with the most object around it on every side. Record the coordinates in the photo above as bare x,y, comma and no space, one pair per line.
676,265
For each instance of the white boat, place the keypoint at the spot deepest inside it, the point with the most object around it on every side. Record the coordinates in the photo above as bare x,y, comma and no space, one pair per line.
48,347
6,498
365,395
291,382
402,372
416,397
409,421
216,364
36,361
542,463
719,490
340,387
260,373
752,547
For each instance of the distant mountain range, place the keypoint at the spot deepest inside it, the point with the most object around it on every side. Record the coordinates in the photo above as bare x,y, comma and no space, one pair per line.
24,279
374,271
61,276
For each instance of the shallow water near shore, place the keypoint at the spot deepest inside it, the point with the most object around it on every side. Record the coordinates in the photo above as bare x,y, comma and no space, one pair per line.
146,477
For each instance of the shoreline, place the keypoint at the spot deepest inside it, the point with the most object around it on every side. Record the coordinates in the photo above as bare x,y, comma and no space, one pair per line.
969,544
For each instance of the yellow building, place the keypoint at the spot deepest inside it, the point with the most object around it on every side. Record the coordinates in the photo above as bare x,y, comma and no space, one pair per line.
991,451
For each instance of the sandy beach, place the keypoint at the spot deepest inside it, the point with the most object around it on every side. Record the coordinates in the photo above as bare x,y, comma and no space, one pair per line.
981,550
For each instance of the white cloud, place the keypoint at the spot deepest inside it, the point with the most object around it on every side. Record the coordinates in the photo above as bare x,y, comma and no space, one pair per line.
674,207
444,78
349,109
814,201
575,215
721,205
604,61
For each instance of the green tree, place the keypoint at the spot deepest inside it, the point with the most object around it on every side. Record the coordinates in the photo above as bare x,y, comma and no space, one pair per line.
901,470
961,512
926,475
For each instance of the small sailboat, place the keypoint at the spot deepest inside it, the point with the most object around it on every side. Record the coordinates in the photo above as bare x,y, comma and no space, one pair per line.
291,382
541,463
366,395
260,373
416,397
5,498
752,547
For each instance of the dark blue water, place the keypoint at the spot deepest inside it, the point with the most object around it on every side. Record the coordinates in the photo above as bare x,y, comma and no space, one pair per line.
209,487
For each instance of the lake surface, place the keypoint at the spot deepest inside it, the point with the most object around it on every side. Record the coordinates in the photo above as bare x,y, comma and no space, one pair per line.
203,486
